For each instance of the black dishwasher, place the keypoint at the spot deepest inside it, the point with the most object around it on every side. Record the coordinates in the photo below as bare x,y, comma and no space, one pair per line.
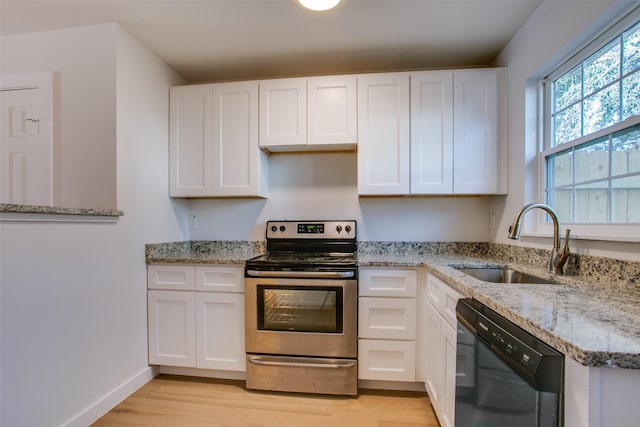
505,376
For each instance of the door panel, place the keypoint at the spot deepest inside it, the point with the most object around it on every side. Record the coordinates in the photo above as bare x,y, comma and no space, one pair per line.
26,154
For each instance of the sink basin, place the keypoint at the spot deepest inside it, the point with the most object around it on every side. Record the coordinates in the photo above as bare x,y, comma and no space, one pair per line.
503,275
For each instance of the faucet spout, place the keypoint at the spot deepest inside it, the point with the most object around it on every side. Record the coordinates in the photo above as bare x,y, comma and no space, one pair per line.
558,255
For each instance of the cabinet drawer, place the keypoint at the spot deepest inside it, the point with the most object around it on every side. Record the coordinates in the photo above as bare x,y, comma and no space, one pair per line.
386,360
388,282
220,279
387,318
171,277
443,298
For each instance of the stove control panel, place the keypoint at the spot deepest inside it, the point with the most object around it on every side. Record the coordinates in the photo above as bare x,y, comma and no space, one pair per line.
311,229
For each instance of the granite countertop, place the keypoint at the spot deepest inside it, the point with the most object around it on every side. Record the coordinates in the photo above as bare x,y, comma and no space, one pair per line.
53,210
596,324
592,315
203,252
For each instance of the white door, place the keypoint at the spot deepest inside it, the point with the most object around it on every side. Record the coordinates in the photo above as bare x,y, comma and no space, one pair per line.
26,157
435,374
383,133
283,112
477,131
432,132
236,157
172,328
332,108
220,331
190,143
448,348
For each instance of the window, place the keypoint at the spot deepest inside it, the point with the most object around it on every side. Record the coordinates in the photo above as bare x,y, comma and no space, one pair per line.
592,145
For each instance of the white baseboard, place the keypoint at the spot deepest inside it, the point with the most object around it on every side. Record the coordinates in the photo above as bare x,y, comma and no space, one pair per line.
90,414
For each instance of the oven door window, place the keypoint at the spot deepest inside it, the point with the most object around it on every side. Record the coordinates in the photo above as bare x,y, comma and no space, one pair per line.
300,308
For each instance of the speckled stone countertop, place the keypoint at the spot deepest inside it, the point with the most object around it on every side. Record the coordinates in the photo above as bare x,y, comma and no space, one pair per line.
32,209
592,314
203,252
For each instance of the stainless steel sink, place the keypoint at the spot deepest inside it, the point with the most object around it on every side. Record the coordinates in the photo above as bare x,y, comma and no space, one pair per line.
502,275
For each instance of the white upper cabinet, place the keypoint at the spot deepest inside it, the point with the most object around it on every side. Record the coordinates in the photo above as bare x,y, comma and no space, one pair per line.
478,132
239,165
432,132
190,142
383,133
214,141
283,112
332,109
317,113
456,133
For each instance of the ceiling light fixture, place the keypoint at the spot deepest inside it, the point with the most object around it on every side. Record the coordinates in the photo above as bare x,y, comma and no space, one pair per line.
319,5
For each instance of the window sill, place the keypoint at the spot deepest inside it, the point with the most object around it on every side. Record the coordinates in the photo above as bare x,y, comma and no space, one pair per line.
27,213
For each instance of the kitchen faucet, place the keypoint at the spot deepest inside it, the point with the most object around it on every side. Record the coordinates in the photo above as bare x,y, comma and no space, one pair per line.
558,255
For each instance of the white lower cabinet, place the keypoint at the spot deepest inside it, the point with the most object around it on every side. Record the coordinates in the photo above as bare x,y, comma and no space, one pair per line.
172,328
386,360
220,331
440,353
194,328
387,324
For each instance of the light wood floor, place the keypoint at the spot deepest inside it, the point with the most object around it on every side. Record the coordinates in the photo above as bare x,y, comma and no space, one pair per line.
189,402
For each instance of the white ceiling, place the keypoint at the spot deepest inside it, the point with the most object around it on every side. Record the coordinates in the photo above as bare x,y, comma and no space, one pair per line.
217,40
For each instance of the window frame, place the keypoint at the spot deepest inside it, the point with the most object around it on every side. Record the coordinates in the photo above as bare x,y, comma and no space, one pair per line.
628,232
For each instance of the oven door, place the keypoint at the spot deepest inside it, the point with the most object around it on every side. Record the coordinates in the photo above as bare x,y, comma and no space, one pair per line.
301,317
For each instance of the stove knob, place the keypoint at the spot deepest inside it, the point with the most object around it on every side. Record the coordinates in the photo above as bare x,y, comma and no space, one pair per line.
348,229
339,228
282,228
274,228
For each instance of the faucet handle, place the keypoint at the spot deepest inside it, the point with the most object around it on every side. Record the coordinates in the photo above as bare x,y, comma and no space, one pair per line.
564,251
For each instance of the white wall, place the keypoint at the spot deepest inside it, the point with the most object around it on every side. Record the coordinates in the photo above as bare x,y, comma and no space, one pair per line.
73,296
553,32
84,106
324,186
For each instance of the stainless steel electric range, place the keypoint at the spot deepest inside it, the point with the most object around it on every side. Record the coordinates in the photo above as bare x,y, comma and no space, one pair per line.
301,309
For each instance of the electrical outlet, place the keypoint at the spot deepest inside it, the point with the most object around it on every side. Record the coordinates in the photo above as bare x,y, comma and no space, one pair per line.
193,222
492,221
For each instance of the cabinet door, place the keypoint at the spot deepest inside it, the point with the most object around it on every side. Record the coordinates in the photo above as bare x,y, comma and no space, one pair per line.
383,133
172,340
190,143
220,279
448,348
220,331
432,132
386,360
387,318
435,374
236,157
477,131
443,298
332,110
283,112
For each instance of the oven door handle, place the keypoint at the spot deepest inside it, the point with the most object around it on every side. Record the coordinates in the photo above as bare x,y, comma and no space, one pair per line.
302,274
338,365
